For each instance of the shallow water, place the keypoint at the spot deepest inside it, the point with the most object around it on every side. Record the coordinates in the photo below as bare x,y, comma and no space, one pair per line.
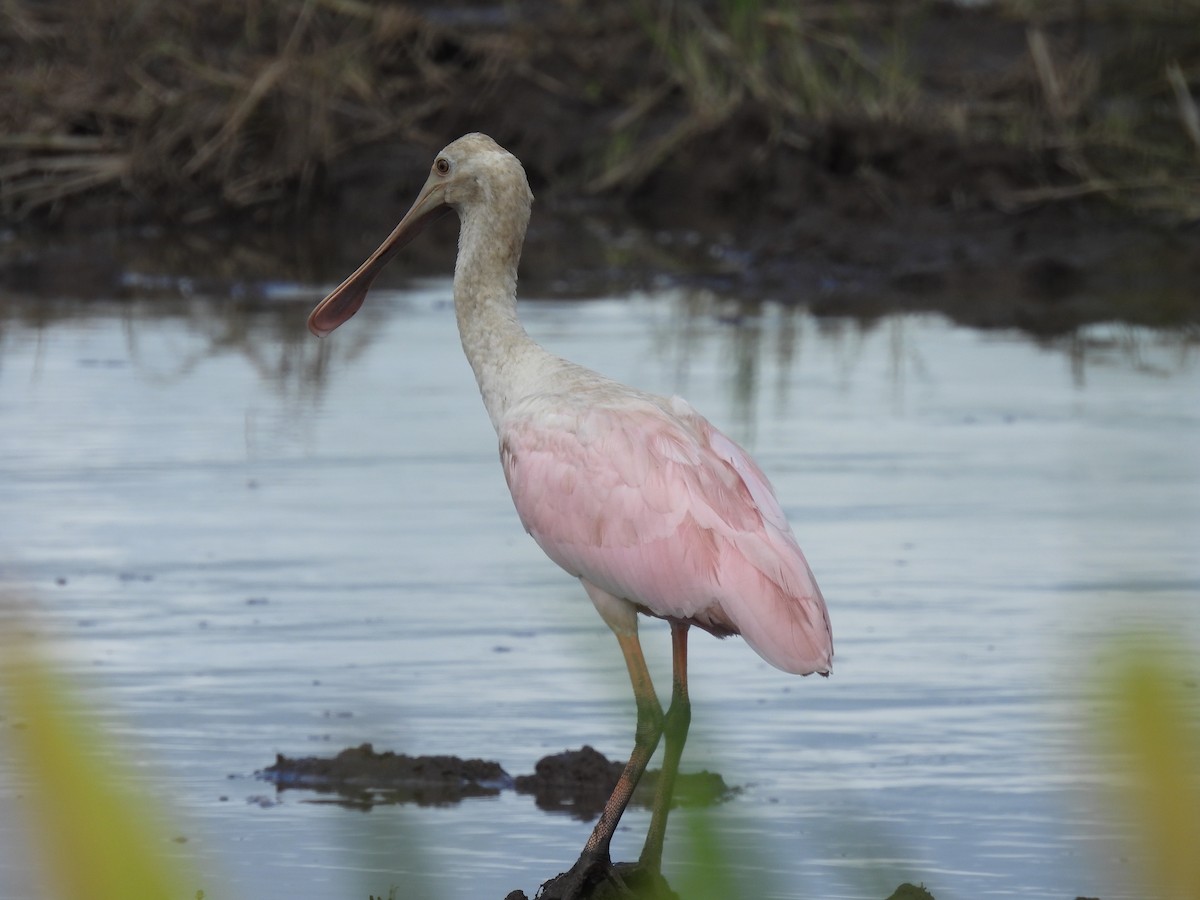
243,541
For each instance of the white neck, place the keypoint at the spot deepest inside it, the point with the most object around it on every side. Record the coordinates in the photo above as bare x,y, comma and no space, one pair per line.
506,360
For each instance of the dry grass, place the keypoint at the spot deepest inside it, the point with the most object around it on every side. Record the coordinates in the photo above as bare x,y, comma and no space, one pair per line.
1112,92
194,109
1109,90
793,62
206,106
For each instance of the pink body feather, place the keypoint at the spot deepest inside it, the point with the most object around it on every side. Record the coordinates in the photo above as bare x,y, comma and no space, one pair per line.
643,498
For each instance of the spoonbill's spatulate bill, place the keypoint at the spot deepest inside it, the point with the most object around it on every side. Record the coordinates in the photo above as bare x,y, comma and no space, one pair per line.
653,509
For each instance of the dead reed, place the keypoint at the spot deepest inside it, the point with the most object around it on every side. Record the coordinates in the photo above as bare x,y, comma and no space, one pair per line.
1109,92
201,108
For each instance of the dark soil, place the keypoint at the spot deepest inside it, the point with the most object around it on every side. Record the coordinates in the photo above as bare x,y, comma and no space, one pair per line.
362,778
577,782
908,891
621,881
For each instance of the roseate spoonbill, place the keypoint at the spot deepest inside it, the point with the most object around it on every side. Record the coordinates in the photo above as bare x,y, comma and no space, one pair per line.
653,509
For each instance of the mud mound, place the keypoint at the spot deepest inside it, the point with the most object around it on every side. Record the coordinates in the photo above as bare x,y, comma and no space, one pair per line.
577,782
580,781
361,777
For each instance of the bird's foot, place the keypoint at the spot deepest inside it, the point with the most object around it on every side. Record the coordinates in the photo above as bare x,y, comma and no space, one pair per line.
594,877
582,881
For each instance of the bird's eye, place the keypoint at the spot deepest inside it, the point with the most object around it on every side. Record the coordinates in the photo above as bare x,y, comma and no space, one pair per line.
442,166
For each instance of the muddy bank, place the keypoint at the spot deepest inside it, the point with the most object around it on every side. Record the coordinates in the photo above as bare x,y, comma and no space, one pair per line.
1046,274
359,777
645,886
576,782
970,161
631,881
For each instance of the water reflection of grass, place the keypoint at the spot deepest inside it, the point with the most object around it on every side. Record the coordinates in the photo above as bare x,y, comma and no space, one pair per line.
206,323
264,325
761,338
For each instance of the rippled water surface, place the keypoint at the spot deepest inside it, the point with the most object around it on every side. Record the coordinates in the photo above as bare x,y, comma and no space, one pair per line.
242,541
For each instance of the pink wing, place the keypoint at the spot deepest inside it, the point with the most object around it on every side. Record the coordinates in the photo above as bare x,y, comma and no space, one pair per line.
653,504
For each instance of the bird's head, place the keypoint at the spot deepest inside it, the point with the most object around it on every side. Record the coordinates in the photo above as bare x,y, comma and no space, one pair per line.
472,172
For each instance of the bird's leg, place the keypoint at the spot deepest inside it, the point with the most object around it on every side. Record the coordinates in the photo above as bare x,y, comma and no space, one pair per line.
595,863
649,730
675,729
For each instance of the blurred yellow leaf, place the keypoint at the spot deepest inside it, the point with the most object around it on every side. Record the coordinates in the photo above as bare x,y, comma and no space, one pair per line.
95,834
1154,734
